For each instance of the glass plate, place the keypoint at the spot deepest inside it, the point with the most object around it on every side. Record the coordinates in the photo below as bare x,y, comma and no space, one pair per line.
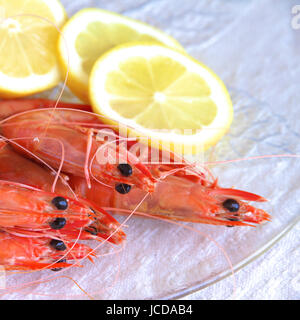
165,261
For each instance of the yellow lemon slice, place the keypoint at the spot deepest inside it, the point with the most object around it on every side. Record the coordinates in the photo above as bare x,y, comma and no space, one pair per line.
28,40
92,32
163,94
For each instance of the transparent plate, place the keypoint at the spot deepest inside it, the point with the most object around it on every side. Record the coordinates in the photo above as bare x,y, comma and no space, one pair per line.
161,260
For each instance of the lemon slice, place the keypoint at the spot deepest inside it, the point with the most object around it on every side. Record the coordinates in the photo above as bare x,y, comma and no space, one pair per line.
163,94
92,32
28,55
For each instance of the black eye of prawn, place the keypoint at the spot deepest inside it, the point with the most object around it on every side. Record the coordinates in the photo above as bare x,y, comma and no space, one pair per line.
231,205
125,169
60,203
58,245
58,223
123,188
58,269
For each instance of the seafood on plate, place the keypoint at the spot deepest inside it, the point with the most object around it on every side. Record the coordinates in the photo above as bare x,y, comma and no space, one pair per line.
37,253
37,226
169,191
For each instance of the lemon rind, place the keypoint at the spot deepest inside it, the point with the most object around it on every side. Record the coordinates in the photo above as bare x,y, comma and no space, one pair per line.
69,59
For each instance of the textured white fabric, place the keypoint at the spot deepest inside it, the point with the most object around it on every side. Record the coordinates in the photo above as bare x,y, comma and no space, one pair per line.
263,39
253,47
274,275
255,50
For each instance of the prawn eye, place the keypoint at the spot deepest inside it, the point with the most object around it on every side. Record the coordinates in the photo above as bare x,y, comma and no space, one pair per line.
60,203
58,223
58,269
125,169
231,205
123,188
58,245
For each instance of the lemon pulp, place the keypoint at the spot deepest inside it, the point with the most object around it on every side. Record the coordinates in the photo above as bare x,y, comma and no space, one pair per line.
92,32
162,94
28,58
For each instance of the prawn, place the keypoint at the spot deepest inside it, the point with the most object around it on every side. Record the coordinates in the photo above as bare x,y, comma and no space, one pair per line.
37,225
30,253
79,145
168,191
30,211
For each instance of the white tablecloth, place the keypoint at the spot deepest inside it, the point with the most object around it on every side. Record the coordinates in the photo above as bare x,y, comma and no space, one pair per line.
262,37
264,33
252,45
274,275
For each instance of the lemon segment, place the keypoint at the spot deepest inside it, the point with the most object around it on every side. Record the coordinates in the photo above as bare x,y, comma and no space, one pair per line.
161,93
92,32
28,55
